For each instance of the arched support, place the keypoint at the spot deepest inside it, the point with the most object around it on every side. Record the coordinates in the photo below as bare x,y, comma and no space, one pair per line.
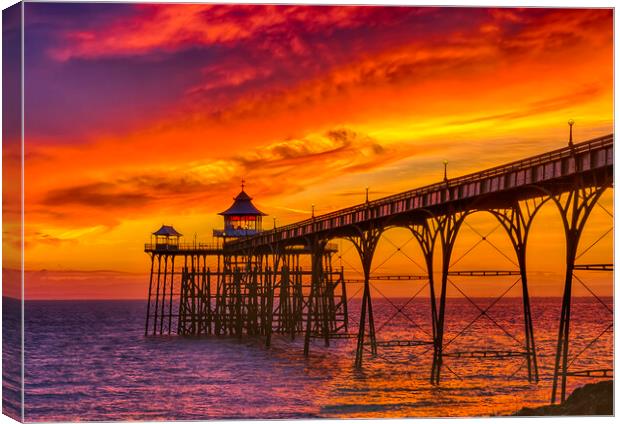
517,221
575,207
447,228
426,233
366,243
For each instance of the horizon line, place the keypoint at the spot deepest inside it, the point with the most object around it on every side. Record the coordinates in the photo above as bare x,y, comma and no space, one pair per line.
389,297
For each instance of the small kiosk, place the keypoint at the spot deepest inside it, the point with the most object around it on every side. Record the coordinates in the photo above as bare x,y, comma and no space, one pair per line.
242,218
166,238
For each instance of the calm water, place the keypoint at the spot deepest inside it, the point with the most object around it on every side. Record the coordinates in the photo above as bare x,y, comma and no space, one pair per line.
90,361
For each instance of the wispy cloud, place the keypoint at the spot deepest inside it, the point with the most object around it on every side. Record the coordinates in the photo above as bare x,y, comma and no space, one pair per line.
169,27
539,106
336,151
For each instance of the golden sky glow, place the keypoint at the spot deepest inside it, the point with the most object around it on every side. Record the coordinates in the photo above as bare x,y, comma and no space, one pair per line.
149,114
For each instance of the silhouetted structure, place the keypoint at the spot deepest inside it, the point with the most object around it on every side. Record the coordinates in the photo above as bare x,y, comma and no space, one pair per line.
259,286
242,218
166,238
244,294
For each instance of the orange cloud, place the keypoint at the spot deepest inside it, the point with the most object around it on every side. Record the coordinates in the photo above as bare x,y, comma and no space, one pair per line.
338,151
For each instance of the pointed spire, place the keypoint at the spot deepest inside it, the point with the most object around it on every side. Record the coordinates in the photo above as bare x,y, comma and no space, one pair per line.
242,204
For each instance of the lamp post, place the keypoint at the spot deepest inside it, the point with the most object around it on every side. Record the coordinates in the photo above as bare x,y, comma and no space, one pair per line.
366,194
274,222
571,122
313,211
445,170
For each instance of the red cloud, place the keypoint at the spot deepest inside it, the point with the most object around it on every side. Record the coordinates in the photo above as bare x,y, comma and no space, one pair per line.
168,27
503,36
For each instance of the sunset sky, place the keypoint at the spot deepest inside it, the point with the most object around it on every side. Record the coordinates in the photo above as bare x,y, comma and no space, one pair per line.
138,115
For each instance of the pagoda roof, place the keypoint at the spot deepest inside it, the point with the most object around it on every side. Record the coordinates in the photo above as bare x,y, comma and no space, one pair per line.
243,206
167,230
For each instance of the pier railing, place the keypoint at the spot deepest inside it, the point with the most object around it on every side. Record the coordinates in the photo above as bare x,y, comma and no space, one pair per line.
181,247
210,247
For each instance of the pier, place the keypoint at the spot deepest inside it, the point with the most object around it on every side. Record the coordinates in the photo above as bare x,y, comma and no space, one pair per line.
255,282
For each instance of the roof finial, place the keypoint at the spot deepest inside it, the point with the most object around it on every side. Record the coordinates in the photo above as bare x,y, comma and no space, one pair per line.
242,184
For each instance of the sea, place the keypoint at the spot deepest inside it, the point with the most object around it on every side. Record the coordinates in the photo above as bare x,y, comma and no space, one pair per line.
90,361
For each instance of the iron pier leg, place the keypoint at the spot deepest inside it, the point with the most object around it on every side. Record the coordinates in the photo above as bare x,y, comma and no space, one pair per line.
575,210
324,289
209,310
193,291
438,343
238,306
366,244
448,227
345,301
530,347
426,234
219,293
371,324
309,319
270,289
517,222
317,253
163,297
359,353
148,304
181,313
171,296
157,294
561,357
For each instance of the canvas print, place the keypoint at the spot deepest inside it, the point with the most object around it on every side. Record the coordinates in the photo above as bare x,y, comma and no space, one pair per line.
268,211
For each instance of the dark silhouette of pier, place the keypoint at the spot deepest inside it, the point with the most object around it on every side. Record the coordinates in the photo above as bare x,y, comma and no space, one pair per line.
259,287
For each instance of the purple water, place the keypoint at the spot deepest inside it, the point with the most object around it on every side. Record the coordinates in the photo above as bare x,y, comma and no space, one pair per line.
89,360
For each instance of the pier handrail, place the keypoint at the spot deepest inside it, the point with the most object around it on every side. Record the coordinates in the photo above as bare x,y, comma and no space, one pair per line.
181,246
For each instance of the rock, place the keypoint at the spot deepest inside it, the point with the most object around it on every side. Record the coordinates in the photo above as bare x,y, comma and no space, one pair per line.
591,399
